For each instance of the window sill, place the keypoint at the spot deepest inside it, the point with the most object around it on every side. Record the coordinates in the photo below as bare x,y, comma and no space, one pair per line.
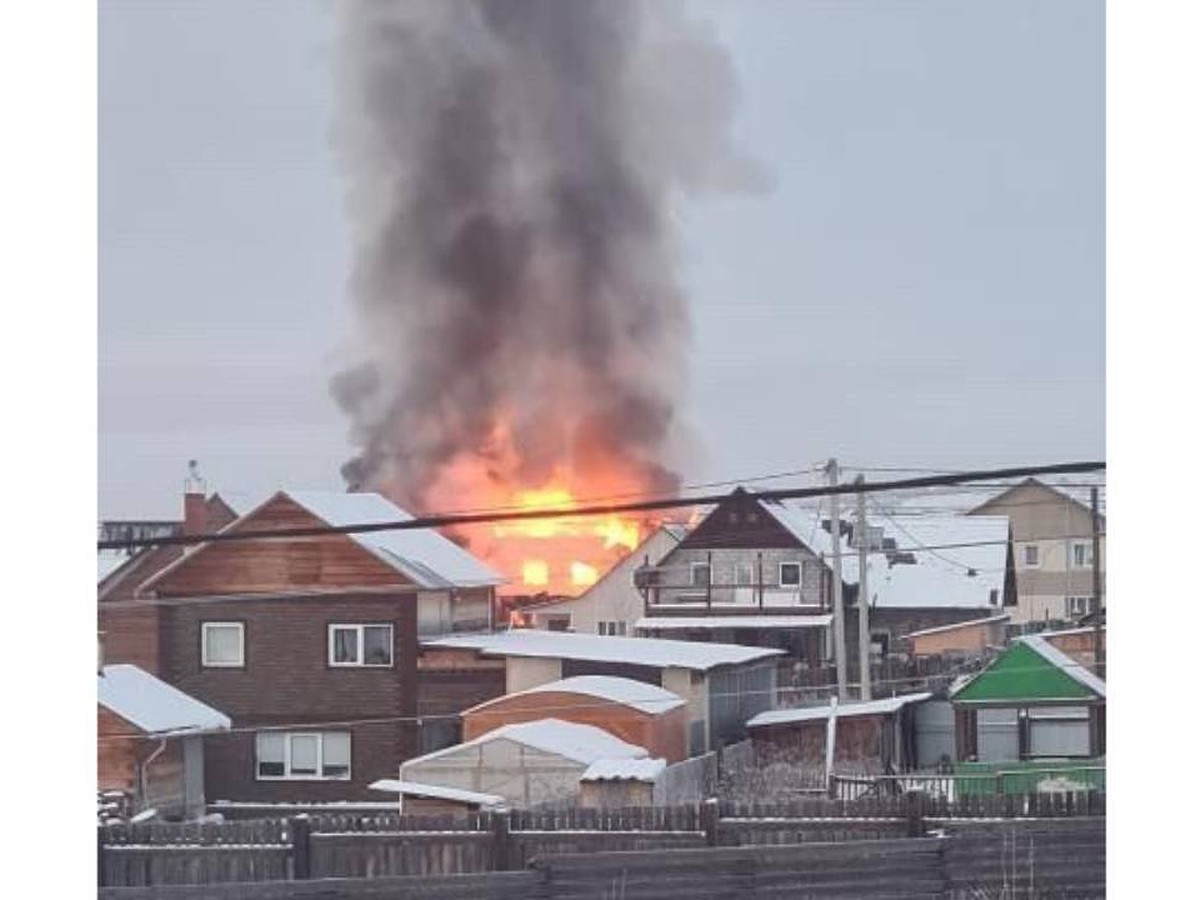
303,778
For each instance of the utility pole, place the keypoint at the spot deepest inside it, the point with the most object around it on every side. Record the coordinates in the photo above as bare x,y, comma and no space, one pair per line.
839,615
1097,630
864,597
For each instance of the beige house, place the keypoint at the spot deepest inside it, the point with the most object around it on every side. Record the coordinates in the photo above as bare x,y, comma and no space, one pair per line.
1052,549
613,604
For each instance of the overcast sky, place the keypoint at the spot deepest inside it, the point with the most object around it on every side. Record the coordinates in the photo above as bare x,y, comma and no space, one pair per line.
924,286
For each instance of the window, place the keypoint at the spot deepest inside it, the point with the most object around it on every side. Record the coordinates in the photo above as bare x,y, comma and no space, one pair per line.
1031,555
789,574
360,645
700,574
1081,555
222,645
743,573
1059,731
611,628
308,756
1079,606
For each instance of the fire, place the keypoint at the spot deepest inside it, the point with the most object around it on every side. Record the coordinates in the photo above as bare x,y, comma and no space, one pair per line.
559,556
569,549
583,575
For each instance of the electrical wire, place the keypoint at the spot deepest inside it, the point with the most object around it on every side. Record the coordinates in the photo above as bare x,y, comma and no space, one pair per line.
434,521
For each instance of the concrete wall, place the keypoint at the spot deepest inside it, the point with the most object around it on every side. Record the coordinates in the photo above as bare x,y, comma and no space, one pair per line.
524,672
694,690
522,775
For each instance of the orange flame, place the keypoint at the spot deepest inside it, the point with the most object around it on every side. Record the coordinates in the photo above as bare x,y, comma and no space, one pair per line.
562,555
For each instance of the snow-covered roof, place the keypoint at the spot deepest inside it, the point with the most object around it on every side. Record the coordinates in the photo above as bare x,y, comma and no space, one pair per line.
625,770
844,710
428,558
1069,666
154,706
659,652
939,577
648,698
435,791
690,622
108,561
954,626
571,740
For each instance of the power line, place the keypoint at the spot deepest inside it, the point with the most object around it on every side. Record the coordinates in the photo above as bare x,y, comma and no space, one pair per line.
391,591
441,520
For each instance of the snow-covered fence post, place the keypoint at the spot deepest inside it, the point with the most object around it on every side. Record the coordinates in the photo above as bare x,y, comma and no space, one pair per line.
301,847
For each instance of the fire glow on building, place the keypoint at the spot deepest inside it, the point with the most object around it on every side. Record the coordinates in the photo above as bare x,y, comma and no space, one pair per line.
521,339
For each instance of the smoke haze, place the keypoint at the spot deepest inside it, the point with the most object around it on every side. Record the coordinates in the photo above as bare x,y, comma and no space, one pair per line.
512,167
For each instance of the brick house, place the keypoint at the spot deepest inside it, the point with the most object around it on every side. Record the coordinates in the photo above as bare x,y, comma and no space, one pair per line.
309,644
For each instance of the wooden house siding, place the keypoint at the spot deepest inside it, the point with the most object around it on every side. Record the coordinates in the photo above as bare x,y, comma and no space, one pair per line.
276,565
739,522
132,634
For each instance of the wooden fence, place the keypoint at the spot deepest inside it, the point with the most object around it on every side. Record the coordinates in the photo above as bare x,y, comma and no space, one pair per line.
378,846
1024,858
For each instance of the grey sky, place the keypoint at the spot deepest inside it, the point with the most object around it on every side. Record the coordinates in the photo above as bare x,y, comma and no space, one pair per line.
924,286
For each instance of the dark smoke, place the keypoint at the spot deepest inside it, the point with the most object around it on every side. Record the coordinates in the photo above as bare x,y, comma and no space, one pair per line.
512,168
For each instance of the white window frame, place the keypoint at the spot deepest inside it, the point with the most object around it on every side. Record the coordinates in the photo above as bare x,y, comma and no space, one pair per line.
611,628
799,564
1080,605
360,629
1037,551
207,663
287,775
743,567
1086,546
694,568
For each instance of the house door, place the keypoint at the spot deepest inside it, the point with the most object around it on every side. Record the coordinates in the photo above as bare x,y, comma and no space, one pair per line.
999,735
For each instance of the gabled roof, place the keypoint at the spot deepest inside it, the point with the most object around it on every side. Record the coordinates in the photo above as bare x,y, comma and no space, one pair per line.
639,695
658,652
425,556
154,706
1030,670
581,743
938,577
422,555
882,706
955,626
121,573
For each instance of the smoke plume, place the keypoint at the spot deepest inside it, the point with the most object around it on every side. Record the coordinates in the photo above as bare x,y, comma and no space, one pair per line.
512,167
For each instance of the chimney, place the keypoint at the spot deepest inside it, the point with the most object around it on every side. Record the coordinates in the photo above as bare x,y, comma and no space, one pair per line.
195,510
